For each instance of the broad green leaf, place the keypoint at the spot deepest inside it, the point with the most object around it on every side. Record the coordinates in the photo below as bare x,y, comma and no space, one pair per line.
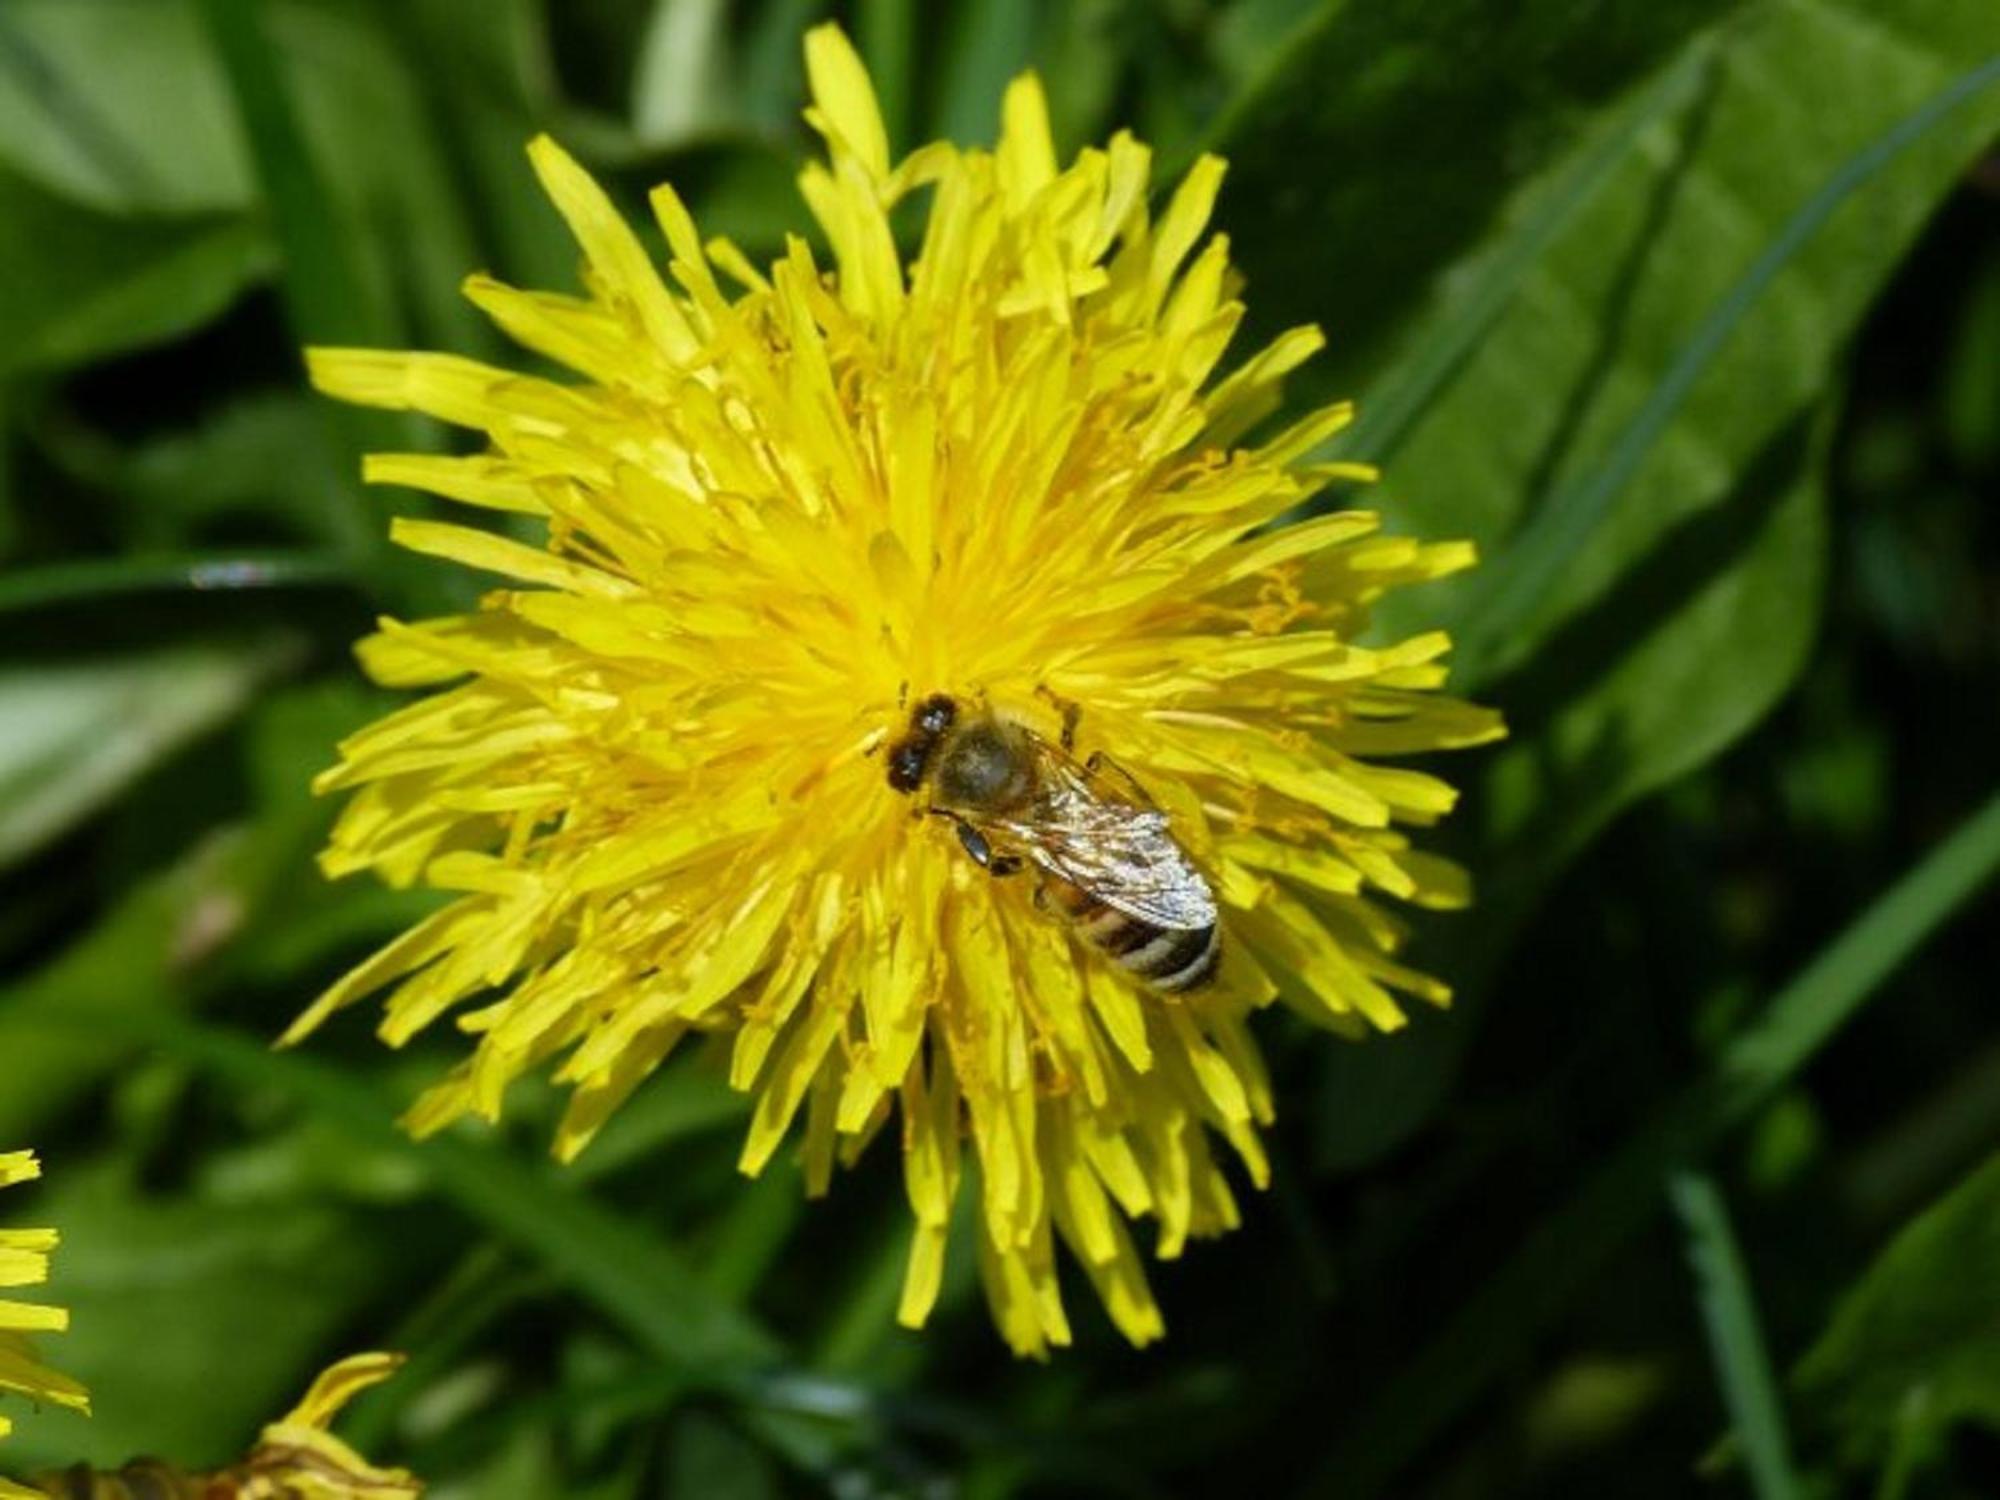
1656,393
1731,251
1910,1350
1702,635
175,1293
1382,141
73,734
125,106
163,946
261,463
118,104
77,284
1713,264
637,1280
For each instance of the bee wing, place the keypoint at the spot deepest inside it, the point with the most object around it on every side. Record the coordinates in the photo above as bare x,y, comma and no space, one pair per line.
1125,856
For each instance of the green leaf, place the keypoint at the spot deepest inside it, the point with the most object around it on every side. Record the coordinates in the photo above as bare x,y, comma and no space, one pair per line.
680,90
1737,1345
328,298
636,1280
1729,270
1721,232
74,734
1703,634
125,106
887,37
118,104
1382,142
77,284
398,197
175,1293
484,72
260,462
104,580
160,948
986,43
1550,547
1706,633
1909,1351
1518,1302
1700,270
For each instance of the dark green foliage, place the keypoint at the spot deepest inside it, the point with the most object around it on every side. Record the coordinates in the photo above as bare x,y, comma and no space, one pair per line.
1688,313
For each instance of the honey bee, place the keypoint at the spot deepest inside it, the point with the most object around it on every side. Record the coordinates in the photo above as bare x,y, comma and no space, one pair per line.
1108,860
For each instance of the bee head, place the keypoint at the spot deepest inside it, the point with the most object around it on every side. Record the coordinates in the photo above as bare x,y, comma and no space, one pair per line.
909,759
983,767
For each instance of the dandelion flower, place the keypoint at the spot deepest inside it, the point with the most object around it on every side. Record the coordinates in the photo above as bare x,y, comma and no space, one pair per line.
24,1261
778,508
296,1458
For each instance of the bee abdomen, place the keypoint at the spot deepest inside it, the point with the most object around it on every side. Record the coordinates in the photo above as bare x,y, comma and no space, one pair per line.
1168,959
1177,960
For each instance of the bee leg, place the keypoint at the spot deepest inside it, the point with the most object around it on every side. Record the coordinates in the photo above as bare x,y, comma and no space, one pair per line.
1101,764
976,845
971,838
1070,711
999,866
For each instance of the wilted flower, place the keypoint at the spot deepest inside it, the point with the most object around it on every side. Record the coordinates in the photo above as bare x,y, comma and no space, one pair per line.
296,1458
783,509
24,1261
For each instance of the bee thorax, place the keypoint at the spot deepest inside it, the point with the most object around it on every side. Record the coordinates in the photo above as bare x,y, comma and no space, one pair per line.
982,767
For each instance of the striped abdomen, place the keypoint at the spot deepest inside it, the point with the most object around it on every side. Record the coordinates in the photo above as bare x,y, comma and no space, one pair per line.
1166,959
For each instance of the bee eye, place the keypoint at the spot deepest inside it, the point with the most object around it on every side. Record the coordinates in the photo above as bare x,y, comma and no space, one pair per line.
906,765
934,715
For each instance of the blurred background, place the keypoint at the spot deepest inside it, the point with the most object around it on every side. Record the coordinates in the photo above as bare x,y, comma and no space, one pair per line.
1689,312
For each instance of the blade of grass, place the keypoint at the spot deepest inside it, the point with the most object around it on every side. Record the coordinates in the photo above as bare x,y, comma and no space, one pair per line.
438,1333
1729,1310
751,1235
1534,559
679,92
89,580
986,43
328,299
888,39
636,1280
1561,1255
325,294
